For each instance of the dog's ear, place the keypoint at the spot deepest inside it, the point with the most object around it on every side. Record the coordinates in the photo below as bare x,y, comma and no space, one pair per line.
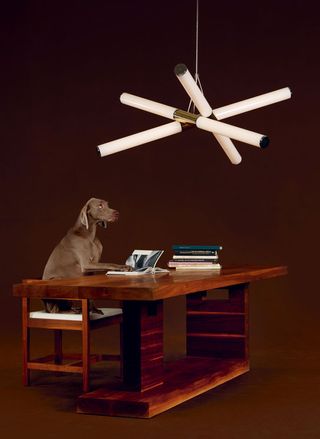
84,214
83,217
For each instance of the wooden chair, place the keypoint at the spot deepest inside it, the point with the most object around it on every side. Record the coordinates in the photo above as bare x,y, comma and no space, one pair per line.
59,362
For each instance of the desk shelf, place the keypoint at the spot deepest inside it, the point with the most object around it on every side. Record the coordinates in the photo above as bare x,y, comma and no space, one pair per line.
218,328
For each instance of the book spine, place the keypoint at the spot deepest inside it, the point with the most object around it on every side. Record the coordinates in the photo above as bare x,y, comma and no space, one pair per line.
196,247
190,267
173,263
194,258
196,252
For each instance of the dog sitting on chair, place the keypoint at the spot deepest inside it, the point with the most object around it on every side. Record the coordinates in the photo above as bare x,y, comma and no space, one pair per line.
79,252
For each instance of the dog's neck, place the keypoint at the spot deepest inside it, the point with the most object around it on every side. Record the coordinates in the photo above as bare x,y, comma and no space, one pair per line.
82,230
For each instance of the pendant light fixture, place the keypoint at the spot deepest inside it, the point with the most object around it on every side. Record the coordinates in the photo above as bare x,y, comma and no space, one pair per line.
208,119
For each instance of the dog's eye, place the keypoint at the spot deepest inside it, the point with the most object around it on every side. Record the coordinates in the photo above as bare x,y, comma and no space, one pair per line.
100,206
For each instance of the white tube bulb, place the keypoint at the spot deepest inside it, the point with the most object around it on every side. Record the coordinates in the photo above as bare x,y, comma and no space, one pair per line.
139,138
205,110
147,105
236,133
252,103
229,148
191,87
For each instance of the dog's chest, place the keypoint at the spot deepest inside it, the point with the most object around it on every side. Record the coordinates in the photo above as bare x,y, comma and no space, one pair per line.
94,251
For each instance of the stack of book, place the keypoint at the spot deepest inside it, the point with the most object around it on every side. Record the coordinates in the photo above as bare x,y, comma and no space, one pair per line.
195,257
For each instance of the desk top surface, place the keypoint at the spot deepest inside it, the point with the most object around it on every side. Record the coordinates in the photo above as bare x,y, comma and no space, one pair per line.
146,287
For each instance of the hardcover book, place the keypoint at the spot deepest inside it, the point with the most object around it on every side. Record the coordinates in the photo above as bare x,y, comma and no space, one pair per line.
196,247
142,262
195,257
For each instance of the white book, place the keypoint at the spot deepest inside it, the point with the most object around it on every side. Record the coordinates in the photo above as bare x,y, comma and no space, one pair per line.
148,270
142,262
216,267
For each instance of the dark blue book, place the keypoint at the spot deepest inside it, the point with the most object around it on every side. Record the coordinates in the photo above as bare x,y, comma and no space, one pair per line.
196,248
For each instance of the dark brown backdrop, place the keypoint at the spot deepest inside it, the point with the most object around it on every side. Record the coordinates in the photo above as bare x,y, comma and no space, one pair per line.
64,68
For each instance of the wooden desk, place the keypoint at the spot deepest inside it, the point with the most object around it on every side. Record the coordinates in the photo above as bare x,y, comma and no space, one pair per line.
217,334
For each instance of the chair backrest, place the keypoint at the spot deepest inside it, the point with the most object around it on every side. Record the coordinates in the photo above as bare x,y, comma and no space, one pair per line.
32,281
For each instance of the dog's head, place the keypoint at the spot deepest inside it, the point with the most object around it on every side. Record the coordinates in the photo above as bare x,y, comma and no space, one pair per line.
99,212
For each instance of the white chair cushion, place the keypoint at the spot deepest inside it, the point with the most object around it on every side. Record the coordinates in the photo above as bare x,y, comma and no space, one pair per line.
107,312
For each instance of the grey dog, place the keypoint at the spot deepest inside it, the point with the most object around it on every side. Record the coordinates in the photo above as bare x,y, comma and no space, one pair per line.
80,250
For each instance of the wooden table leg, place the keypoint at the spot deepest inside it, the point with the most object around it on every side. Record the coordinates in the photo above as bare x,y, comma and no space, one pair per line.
57,346
142,344
25,341
85,345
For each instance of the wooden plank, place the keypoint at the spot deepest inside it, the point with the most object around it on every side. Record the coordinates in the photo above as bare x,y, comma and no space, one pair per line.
55,324
32,365
25,341
183,380
145,287
77,358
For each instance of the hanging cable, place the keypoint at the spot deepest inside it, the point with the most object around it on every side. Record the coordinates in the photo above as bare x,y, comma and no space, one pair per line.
196,75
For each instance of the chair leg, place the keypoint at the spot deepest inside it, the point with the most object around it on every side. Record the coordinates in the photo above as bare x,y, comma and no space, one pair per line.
121,351
25,341
85,345
58,346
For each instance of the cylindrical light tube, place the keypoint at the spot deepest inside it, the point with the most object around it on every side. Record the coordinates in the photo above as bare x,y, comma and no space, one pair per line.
236,133
147,105
252,103
191,87
139,138
229,148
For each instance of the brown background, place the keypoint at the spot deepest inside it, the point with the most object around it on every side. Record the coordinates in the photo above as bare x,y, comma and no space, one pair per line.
64,68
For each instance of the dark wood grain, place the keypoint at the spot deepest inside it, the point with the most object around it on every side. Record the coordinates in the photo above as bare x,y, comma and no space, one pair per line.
85,333
142,344
34,365
70,325
183,380
58,355
25,341
148,287
218,328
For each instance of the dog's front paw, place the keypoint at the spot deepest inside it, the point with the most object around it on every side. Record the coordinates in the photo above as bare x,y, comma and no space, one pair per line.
96,311
124,268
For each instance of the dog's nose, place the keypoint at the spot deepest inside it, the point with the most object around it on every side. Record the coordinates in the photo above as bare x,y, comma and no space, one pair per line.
116,214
